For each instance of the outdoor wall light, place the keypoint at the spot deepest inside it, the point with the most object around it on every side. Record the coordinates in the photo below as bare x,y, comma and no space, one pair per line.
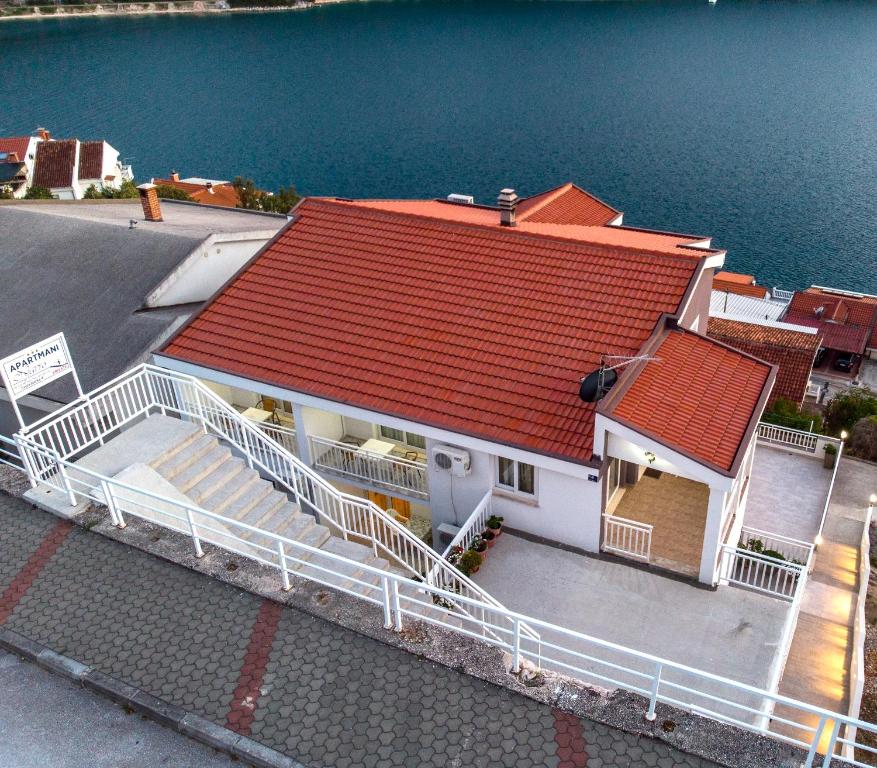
651,457
844,435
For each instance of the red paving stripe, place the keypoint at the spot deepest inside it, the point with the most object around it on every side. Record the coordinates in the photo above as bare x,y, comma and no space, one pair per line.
246,695
570,738
23,580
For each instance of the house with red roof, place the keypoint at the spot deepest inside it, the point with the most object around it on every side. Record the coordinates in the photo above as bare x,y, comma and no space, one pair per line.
535,357
17,163
847,322
204,191
67,168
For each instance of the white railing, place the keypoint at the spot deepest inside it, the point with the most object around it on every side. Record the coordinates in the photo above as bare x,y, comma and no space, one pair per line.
382,470
779,293
473,526
795,439
9,452
770,575
401,599
792,549
840,453
627,537
283,435
95,417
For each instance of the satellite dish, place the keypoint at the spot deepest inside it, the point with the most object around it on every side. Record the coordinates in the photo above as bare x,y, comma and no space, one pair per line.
596,384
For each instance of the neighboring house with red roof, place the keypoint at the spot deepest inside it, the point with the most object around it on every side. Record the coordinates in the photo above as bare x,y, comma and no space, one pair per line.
17,163
792,349
204,191
69,167
847,320
430,355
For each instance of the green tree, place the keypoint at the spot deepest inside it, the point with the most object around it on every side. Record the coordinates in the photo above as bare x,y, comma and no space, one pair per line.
863,438
38,193
127,189
255,199
847,407
92,193
167,192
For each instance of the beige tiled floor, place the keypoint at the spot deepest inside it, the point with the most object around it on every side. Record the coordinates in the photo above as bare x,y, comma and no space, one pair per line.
677,509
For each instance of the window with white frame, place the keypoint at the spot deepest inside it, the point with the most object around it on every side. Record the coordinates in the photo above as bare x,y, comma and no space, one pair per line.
401,436
515,476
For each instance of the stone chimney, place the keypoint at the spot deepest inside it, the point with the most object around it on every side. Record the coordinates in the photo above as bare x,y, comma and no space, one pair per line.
175,176
44,134
149,201
507,201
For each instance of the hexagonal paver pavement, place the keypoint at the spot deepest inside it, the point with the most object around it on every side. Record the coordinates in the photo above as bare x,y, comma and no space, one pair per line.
316,691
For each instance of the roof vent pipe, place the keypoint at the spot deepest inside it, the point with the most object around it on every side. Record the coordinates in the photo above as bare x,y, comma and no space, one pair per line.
508,201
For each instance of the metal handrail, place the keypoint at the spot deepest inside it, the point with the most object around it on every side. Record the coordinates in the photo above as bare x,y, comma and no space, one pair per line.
651,672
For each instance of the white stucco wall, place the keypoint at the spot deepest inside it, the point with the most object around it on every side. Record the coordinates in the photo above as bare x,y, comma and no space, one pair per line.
208,267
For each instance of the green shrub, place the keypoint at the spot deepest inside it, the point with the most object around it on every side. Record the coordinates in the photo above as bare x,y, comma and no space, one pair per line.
785,413
38,193
166,192
848,407
470,561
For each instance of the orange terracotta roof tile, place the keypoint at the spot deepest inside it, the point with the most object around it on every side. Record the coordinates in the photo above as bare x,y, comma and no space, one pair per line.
792,352
743,285
567,204
224,195
15,144
480,330
700,397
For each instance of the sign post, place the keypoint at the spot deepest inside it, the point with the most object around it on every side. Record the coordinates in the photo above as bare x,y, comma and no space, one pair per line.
36,366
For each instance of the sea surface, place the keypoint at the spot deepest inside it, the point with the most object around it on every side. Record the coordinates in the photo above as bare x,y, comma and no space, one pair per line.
753,122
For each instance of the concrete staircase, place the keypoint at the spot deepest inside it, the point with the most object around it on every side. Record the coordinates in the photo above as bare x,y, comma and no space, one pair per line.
212,478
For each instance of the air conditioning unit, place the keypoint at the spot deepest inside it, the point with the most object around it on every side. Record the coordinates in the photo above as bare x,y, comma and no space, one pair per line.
465,199
454,460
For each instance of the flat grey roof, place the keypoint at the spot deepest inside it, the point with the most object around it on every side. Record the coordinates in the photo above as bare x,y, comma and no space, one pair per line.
88,278
180,218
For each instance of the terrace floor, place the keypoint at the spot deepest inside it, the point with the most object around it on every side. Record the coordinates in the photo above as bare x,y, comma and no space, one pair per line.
729,631
787,493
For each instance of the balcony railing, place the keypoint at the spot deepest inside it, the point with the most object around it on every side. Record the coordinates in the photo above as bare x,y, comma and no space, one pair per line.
388,472
279,434
627,537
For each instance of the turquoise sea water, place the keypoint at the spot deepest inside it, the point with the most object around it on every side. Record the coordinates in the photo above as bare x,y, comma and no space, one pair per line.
754,122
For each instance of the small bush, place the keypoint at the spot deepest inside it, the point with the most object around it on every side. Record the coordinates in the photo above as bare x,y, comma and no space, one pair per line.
469,562
38,193
847,408
863,439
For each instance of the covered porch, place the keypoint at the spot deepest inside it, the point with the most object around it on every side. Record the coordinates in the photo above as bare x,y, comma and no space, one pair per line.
674,510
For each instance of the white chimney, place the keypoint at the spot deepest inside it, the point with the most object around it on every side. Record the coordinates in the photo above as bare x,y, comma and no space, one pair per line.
507,201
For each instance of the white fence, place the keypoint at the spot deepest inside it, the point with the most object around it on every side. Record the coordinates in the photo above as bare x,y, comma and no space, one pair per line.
770,575
285,436
795,439
473,526
401,599
794,550
391,472
627,537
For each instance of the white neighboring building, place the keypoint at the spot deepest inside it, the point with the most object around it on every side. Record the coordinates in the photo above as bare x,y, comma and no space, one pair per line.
68,167
17,155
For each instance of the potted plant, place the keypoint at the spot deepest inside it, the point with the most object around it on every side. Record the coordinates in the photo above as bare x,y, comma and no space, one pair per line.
478,544
494,523
455,555
488,537
470,562
830,456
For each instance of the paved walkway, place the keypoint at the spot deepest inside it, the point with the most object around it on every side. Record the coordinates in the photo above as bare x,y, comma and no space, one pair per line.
46,720
323,694
818,668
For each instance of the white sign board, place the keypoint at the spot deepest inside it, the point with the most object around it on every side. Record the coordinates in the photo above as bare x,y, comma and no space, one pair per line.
36,366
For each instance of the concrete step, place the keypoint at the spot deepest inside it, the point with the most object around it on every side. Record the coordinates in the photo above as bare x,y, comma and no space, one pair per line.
264,508
239,508
279,517
193,433
173,462
246,481
201,467
216,481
